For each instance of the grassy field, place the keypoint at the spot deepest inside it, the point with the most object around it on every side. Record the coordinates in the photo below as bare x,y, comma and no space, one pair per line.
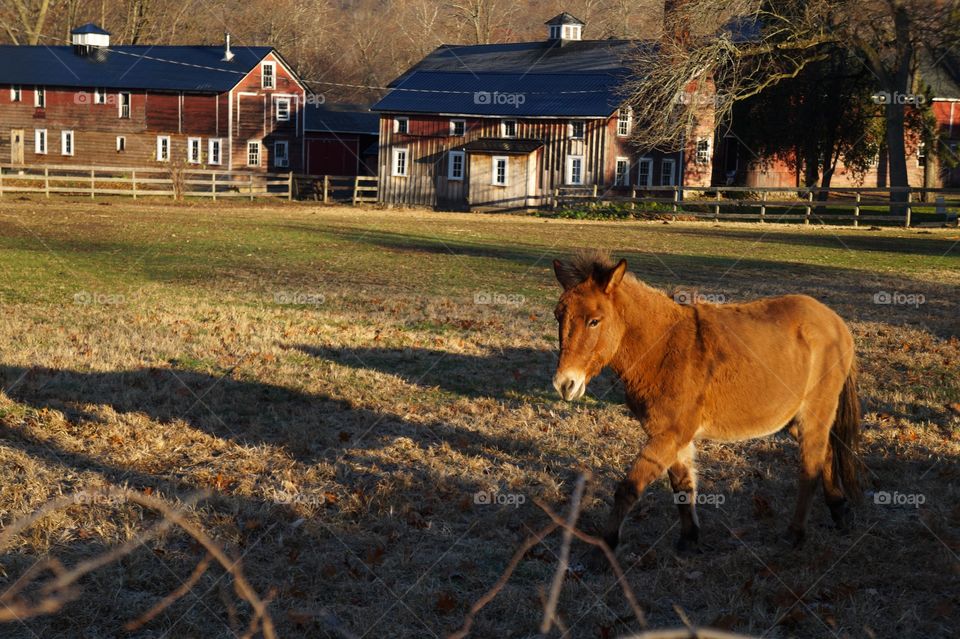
345,382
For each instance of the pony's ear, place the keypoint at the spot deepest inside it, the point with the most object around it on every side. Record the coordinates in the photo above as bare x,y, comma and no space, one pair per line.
565,275
614,276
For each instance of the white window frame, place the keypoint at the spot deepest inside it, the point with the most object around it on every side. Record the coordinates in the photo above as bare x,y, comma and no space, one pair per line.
555,32
259,152
273,75
503,129
664,163
120,105
215,158
571,159
451,174
16,93
494,173
40,141
40,98
281,161
163,153
288,102
571,133
921,154
67,143
99,96
624,124
121,143
406,125
706,152
453,127
194,143
395,168
626,173
645,162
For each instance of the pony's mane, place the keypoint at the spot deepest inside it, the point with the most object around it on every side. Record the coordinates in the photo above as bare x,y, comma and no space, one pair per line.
587,263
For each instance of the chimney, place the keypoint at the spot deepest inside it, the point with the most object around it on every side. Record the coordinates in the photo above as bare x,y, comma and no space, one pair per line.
227,53
90,40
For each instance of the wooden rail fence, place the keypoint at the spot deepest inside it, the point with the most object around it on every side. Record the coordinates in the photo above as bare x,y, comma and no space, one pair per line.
353,189
763,204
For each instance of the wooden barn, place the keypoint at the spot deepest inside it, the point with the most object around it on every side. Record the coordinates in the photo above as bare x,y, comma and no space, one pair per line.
502,126
96,104
341,139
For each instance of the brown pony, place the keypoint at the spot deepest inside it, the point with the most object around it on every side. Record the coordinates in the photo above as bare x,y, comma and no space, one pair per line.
722,372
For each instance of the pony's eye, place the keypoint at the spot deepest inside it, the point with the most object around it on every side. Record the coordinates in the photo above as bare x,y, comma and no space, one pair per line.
593,322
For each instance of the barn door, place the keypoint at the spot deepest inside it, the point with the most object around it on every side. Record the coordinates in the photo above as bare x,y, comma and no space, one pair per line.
16,146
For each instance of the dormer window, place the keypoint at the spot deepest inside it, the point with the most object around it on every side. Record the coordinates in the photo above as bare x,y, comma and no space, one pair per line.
565,28
508,129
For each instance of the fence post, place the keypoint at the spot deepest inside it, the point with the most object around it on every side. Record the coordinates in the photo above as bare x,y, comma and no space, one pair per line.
909,213
1,181
46,181
595,191
676,198
290,187
633,199
356,189
556,198
326,189
133,178
763,206
716,208
251,187
856,211
809,207
93,184
213,185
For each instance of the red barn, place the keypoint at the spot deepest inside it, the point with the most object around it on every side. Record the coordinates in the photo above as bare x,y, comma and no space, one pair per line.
96,104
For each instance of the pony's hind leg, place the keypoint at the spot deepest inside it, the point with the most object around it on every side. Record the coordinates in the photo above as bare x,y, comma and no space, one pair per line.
833,490
683,481
814,438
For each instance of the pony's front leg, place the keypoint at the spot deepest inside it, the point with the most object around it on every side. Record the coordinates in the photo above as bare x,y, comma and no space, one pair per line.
656,457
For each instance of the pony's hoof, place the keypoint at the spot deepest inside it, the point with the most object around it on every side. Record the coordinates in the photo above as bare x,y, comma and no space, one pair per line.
794,537
842,516
686,546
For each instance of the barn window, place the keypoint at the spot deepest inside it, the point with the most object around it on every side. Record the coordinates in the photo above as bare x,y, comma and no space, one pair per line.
283,109
99,96
667,173
703,151
193,150
508,129
268,75
123,105
645,172
281,158
213,150
40,141
574,169
499,172
922,154
401,125
163,148
623,122
253,153
577,128
400,163
121,144
66,143
455,168
458,127
15,94
622,177
40,98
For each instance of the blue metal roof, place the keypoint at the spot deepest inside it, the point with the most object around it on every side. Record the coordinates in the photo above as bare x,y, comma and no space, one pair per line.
342,118
163,68
90,28
505,94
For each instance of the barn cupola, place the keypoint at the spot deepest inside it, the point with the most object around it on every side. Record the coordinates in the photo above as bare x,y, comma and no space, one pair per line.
90,39
564,28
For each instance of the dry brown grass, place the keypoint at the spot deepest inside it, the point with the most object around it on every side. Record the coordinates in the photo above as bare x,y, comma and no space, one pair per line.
345,436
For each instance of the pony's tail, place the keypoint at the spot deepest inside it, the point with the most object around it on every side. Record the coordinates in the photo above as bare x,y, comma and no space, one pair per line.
845,437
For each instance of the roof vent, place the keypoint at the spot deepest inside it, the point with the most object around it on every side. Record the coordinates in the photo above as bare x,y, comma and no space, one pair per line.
89,38
227,53
564,28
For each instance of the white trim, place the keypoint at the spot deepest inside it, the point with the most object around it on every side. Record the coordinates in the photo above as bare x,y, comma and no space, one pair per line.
99,96
569,172
121,142
570,126
396,124
16,93
503,128
647,162
626,173
218,143
67,143
273,74
276,107
190,146
673,171
463,165
120,105
38,135
163,154
277,157
40,96
921,154
629,120
707,153
395,162
259,152
453,123
494,173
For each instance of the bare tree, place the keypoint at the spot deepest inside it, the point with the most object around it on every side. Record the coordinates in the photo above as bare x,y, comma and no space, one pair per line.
24,20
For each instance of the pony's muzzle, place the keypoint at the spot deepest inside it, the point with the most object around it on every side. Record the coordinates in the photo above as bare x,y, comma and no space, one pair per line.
570,385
